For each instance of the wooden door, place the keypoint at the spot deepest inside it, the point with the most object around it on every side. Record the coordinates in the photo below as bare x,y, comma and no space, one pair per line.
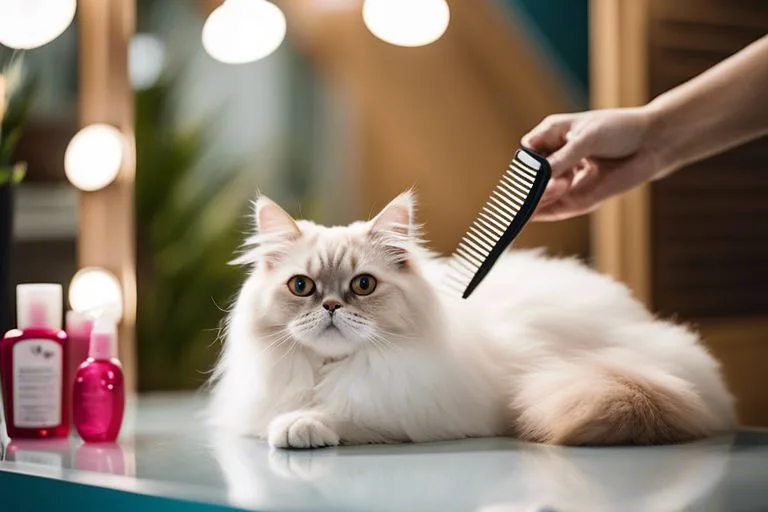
694,245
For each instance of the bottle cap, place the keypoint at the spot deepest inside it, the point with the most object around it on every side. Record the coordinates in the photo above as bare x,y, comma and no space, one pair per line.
39,305
103,339
79,324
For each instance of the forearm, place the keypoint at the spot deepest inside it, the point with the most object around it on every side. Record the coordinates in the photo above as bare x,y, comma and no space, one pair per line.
719,109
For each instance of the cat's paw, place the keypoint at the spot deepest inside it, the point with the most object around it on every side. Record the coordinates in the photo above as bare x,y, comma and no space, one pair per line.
300,430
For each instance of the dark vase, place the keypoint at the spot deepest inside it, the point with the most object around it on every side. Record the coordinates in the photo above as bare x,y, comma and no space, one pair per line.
6,233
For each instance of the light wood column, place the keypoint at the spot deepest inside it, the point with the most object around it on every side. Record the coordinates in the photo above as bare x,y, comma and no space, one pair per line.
106,234
619,78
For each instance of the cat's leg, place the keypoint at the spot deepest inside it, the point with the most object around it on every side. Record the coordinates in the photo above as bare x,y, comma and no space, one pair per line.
302,429
610,401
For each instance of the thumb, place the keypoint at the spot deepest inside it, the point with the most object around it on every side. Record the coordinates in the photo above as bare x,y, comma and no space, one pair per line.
570,155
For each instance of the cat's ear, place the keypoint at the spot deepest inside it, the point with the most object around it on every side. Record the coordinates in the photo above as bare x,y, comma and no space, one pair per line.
271,220
397,217
274,232
394,229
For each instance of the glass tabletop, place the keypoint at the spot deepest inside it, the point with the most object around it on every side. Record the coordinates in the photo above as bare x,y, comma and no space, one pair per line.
165,453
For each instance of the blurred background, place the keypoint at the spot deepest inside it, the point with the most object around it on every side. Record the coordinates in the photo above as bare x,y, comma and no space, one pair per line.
353,105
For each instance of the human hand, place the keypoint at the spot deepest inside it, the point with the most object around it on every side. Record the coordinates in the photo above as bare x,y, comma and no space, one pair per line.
594,155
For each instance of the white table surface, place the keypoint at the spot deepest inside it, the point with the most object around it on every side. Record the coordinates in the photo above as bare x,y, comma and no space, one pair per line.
165,451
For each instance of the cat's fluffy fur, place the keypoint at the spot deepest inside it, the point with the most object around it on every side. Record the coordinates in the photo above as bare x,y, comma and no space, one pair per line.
545,349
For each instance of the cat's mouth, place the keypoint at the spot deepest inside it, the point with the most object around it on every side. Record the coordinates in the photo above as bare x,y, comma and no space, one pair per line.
331,332
331,327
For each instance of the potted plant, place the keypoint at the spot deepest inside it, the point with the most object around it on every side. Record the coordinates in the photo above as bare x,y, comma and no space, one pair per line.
15,101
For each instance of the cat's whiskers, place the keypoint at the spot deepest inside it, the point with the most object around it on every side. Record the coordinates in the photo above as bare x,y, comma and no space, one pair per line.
276,344
396,335
221,334
359,326
371,332
379,330
308,322
382,341
375,344
275,334
385,345
275,339
290,349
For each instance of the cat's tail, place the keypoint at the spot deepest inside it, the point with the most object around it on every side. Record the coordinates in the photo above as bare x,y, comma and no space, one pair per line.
610,400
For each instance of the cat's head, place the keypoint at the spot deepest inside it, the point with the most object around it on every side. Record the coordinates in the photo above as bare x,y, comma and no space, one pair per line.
337,289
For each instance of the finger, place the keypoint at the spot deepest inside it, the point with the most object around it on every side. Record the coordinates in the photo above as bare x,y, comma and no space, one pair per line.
599,184
604,181
583,170
560,209
549,135
556,188
556,212
571,153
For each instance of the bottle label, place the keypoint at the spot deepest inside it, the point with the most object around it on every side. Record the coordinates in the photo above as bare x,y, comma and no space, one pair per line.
38,367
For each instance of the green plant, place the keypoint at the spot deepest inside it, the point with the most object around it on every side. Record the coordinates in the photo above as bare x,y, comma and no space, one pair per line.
191,218
13,175
17,92
189,223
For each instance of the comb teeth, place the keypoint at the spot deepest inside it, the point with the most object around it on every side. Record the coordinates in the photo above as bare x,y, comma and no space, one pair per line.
510,205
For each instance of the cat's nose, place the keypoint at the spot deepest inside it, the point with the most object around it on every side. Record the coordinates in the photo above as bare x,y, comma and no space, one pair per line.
331,306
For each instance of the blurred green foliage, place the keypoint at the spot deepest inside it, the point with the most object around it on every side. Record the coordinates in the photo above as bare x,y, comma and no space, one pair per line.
189,224
192,215
18,93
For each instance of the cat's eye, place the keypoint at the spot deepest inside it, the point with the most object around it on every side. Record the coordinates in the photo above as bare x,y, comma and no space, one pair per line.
301,286
363,284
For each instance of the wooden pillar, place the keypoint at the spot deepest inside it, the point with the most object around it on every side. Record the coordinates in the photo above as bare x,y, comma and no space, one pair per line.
619,78
106,234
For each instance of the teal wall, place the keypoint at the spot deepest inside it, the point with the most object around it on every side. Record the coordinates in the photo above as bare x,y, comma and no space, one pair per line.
561,28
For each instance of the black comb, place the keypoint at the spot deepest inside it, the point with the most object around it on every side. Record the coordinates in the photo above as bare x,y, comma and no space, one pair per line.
509,208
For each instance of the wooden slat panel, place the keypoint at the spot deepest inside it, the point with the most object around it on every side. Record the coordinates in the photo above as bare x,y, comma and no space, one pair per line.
723,13
741,349
710,243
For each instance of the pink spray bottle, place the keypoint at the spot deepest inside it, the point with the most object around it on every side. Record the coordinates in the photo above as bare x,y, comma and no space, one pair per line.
99,389
78,329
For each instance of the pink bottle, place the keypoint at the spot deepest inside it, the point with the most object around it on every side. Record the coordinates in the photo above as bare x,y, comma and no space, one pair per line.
99,391
78,328
33,361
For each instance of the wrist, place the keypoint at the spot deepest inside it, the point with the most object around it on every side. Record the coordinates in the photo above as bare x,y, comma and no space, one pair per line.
663,139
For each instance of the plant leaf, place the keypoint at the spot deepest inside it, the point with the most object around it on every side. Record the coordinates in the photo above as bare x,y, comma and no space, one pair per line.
18,172
21,92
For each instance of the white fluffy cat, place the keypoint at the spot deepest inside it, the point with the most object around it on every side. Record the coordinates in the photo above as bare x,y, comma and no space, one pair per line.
340,335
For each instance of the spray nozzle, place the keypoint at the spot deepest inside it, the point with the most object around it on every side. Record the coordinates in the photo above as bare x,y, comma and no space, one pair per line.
103,339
